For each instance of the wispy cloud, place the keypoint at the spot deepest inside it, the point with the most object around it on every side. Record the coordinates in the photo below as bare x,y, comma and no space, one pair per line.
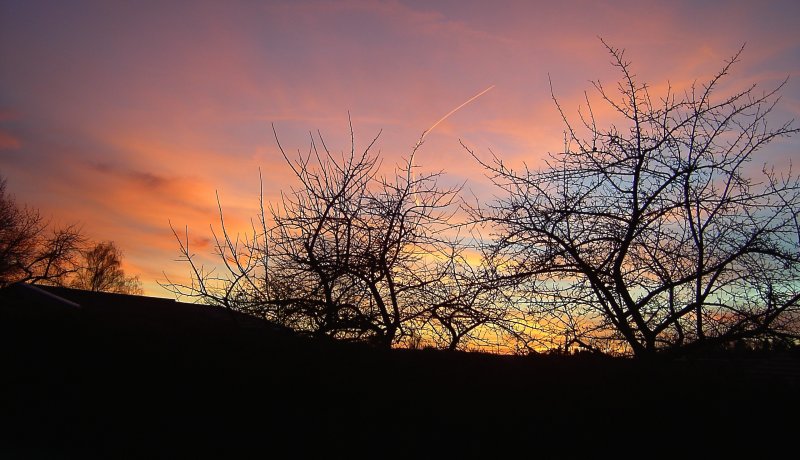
126,117
8,141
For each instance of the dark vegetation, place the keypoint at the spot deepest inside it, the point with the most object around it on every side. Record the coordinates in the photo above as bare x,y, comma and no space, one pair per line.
131,377
656,233
356,255
338,324
100,270
653,234
32,250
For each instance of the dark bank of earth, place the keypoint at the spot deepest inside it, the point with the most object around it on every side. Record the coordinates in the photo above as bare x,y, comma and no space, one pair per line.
125,377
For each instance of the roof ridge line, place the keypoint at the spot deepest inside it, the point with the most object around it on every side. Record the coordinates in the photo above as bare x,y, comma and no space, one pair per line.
39,290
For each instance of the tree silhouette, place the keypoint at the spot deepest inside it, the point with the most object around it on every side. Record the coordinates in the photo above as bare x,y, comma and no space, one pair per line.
350,253
32,251
652,234
101,270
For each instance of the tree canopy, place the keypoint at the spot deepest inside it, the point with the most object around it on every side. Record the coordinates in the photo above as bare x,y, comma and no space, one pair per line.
646,235
34,251
654,234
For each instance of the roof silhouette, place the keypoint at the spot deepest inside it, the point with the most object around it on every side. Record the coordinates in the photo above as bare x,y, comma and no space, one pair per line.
132,312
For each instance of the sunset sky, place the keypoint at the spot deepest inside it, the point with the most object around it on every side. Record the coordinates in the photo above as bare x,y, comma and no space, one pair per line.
124,116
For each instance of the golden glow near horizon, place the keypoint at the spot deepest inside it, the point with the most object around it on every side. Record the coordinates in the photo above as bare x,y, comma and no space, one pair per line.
125,118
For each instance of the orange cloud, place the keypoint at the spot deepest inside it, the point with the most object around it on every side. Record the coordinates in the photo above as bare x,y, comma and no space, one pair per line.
126,118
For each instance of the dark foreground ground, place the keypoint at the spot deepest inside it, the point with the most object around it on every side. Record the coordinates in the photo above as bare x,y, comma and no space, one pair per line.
109,383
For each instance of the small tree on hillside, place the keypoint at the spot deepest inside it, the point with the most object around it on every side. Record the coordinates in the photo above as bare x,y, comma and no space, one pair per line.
652,235
100,269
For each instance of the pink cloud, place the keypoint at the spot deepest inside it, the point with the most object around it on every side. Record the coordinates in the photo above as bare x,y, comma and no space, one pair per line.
8,141
134,117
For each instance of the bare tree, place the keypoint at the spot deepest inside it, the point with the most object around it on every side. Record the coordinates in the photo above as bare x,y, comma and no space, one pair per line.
101,270
464,306
32,251
653,235
349,253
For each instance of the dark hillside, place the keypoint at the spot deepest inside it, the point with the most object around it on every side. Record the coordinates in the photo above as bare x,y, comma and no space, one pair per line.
124,376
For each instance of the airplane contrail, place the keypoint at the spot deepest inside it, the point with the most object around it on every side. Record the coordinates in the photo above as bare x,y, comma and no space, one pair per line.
425,133
454,111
